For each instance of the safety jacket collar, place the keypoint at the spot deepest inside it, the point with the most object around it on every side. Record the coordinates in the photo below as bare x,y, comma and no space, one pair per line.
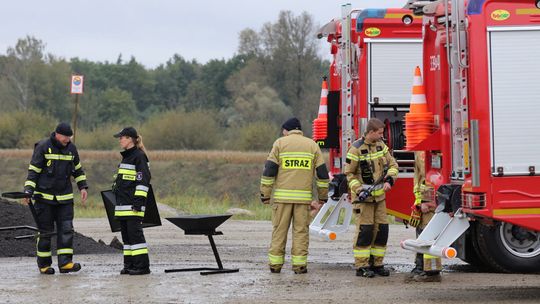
369,142
56,143
297,132
128,152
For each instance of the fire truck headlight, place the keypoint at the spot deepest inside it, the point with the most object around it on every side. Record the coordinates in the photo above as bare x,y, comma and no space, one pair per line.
408,19
538,3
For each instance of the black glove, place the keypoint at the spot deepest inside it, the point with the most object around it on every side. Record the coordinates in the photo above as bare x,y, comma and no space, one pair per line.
389,180
136,208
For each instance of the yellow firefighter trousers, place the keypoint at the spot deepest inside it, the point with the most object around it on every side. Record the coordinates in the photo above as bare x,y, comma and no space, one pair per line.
431,263
371,214
282,214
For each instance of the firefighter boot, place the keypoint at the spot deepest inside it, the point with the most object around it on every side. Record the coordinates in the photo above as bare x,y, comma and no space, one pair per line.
139,271
300,269
125,271
418,268
428,276
275,268
365,272
70,267
381,271
46,270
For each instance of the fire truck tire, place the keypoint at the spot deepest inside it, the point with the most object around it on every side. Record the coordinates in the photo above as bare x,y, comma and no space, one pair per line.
501,255
472,253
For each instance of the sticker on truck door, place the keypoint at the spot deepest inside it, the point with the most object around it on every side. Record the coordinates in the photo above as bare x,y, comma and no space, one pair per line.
372,32
500,15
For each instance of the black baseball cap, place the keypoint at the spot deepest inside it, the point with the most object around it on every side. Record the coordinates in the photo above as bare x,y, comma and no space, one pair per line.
128,131
292,124
64,129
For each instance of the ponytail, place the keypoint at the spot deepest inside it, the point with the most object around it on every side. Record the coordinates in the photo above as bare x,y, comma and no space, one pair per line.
139,143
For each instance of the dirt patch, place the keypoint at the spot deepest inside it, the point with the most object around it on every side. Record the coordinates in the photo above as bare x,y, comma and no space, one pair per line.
15,214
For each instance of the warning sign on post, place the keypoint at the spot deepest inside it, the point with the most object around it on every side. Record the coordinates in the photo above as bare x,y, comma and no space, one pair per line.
77,84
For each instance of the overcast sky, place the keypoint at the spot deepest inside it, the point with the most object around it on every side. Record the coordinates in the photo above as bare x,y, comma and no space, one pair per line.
152,30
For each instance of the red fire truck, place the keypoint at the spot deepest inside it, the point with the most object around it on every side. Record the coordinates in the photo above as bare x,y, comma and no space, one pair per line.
374,54
481,71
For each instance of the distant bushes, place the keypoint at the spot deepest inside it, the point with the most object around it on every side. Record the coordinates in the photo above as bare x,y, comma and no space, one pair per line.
23,129
171,130
182,130
257,136
100,138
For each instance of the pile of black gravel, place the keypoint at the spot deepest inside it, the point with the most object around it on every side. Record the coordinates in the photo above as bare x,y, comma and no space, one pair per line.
15,214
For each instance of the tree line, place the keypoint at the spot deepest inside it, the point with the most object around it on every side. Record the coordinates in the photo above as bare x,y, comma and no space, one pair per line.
237,103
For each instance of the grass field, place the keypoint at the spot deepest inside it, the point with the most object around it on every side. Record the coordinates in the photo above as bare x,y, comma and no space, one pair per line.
195,182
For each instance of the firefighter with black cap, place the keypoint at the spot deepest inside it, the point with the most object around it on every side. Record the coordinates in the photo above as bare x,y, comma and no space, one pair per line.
293,165
131,188
54,161
371,171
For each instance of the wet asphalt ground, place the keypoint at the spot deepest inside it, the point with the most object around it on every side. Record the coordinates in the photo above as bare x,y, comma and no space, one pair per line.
244,245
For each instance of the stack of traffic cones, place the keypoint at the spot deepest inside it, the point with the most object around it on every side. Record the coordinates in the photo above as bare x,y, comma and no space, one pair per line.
320,124
419,121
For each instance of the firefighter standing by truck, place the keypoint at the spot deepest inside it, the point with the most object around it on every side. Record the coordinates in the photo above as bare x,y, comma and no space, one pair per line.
131,188
289,172
427,267
371,171
54,161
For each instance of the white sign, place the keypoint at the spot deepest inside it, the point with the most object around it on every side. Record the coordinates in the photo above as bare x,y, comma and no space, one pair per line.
77,84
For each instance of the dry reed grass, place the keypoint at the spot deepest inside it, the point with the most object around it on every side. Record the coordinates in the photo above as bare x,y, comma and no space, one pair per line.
233,157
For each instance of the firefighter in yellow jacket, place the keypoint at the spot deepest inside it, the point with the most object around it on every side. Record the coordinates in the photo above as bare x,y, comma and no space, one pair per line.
371,171
427,267
289,172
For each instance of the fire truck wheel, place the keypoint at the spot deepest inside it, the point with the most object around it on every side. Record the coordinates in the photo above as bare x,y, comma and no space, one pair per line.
472,252
509,248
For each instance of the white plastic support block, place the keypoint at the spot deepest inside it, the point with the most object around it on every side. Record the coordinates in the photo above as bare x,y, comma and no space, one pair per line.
439,234
331,227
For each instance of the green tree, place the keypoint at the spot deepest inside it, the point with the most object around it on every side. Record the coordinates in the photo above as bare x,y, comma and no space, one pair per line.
172,81
256,103
288,53
22,67
116,106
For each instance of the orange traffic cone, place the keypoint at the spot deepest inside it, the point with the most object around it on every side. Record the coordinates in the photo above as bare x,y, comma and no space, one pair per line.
419,121
320,124
418,97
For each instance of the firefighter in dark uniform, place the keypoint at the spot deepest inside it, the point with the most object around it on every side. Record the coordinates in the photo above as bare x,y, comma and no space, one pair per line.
54,161
292,167
369,163
131,189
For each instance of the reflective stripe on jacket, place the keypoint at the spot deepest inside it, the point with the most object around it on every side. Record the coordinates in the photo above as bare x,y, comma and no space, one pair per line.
50,171
293,165
132,184
365,164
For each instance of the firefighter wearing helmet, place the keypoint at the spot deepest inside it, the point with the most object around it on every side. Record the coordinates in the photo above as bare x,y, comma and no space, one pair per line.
427,267
371,171
288,178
